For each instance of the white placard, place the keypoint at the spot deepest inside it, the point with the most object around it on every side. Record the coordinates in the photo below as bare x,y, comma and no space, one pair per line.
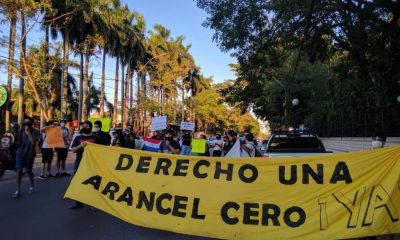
187,126
158,123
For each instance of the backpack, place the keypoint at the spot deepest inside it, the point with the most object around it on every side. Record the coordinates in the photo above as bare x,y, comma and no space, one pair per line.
256,152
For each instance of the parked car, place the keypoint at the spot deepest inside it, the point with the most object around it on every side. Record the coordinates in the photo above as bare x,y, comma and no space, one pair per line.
292,144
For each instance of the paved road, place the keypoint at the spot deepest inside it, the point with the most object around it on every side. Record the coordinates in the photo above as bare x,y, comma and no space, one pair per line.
44,215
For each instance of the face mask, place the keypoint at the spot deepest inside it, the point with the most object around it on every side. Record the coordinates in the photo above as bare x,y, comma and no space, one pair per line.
85,130
62,125
376,144
97,129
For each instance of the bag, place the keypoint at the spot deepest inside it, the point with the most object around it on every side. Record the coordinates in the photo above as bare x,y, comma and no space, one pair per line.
256,152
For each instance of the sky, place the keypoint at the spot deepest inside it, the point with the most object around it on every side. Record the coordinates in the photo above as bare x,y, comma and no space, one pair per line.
182,17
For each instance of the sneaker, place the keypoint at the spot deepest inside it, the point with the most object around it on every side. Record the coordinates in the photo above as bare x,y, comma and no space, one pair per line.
43,177
65,174
31,190
16,194
76,206
49,175
58,174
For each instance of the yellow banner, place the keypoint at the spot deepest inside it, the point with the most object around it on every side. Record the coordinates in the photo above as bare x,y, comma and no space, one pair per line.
331,196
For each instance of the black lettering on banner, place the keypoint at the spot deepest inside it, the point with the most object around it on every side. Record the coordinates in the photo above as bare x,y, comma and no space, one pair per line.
159,201
276,211
248,213
341,173
127,197
148,203
353,205
219,171
111,188
288,220
293,175
317,176
179,203
181,165
379,198
224,213
143,164
124,158
195,211
95,181
323,214
254,173
163,164
196,169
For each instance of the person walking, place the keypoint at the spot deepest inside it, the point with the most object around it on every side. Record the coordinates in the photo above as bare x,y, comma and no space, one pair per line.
62,153
28,145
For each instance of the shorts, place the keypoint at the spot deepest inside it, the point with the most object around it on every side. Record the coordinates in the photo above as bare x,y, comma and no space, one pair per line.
24,162
47,155
62,154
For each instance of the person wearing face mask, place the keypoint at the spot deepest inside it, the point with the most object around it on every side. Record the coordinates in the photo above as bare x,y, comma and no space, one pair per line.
62,153
78,147
169,145
105,138
27,147
378,140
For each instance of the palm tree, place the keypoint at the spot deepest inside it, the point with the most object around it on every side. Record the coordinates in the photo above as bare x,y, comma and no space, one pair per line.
9,10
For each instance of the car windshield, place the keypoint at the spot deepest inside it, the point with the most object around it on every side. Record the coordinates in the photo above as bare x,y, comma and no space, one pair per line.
295,142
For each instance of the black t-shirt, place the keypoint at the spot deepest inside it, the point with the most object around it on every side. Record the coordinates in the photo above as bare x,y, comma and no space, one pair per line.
105,138
81,139
186,139
230,144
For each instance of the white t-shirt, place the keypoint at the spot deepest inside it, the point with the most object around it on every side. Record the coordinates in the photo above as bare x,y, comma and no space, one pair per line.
220,142
252,151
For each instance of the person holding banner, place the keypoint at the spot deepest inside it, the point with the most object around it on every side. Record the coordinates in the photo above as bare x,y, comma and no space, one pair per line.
169,145
378,140
62,153
78,147
105,138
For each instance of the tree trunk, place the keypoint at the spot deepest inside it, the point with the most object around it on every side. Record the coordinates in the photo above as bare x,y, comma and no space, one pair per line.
103,84
11,46
22,80
143,99
85,92
122,94
64,75
115,111
44,92
183,103
126,98
81,89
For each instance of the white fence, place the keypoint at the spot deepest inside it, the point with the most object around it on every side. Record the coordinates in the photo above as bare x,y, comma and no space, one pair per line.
354,144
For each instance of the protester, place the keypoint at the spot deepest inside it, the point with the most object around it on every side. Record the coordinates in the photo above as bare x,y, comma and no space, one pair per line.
118,138
157,135
378,140
78,147
47,153
62,153
26,152
186,143
130,140
248,148
207,151
218,145
104,137
169,145
231,141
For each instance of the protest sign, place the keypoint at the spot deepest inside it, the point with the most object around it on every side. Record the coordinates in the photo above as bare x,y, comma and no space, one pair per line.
54,136
332,196
105,123
158,123
189,126
198,145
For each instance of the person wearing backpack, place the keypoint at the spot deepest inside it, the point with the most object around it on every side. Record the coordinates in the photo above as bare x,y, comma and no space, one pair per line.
248,148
